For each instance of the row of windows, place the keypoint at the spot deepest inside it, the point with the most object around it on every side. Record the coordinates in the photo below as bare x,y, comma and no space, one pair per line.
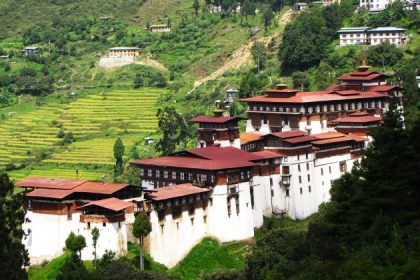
320,108
176,175
301,190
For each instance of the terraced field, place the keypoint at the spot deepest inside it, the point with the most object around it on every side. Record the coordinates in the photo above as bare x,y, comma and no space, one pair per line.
131,113
59,173
92,152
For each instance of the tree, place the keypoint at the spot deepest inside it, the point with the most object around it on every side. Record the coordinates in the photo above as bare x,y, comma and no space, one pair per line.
196,6
138,81
141,228
95,237
13,255
267,17
247,9
75,244
174,130
118,155
384,54
259,53
300,80
250,85
304,42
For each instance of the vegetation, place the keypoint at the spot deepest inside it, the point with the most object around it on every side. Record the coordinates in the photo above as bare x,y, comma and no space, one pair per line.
173,128
13,255
209,256
141,228
118,155
75,244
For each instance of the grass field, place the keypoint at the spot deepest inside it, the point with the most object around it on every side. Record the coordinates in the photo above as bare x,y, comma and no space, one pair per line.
96,119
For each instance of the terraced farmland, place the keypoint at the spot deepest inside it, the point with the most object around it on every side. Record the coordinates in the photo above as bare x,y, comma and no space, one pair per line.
98,151
131,113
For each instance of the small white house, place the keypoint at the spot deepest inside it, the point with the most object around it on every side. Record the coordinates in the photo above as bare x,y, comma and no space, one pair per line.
353,36
30,51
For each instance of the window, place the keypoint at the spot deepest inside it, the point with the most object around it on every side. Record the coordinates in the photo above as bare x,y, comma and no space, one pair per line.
104,224
329,169
287,193
309,188
88,225
299,167
157,173
271,182
165,174
286,170
298,157
300,179
301,191
343,166
307,166
322,171
307,156
149,173
141,172
173,175
252,197
309,178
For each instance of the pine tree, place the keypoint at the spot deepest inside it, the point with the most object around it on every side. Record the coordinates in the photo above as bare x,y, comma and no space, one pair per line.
118,155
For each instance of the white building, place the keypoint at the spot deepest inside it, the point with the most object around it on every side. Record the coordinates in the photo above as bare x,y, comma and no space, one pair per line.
159,28
57,207
225,192
393,35
375,6
372,36
30,51
353,36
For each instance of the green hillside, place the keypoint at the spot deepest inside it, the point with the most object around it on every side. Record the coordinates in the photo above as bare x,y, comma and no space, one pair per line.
94,119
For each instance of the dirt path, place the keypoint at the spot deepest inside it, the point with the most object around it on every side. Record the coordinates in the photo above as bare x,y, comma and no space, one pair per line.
242,55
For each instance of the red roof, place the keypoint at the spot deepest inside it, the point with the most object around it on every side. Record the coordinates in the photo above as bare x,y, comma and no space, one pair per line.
194,163
209,119
383,88
300,139
218,153
360,76
175,191
317,97
99,188
49,193
360,113
328,135
112,203
333,140
289,134
284,90
267,154
50,183
358,119
249,137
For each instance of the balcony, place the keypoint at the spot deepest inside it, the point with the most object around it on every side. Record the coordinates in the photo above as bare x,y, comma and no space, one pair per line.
285,180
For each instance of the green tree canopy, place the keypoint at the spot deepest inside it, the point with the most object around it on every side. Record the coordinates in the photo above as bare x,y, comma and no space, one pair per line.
13,255
174,130
75,244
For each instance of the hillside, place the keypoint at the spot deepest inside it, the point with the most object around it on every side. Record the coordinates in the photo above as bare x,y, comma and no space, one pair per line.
71,38
95,119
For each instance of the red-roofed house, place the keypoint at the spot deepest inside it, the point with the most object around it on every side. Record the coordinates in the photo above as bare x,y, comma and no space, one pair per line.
283,109
54,209
217,130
